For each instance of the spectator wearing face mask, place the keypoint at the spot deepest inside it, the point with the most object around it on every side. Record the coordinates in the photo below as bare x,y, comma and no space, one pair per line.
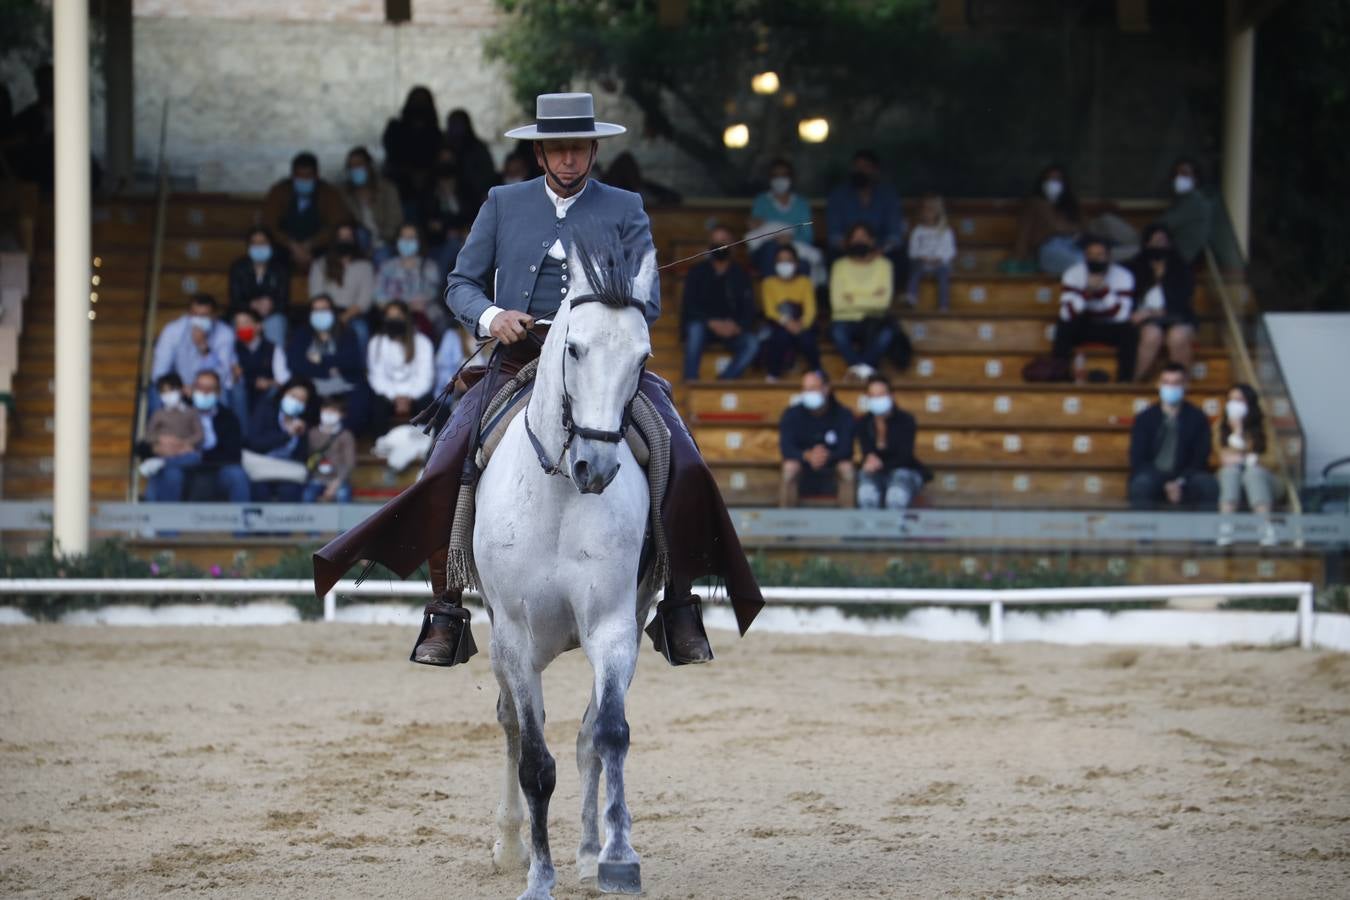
1163,287
867,199
1243,439
1169,450
219,477
815,437
171,439
303,210
719,305
1190,218
515,170
260,272
400,365
1051,223
891,475
192,343
1096,299
932,247
861,289
344,275
777,208
789,301
280,429
332,457
253,378
373,203
325,353
414,279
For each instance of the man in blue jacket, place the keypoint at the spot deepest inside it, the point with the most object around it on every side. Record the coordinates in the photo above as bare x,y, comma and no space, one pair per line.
518,249
815,437
1169,450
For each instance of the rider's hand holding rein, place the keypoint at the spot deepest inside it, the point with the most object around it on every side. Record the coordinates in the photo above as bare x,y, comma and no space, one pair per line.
510,326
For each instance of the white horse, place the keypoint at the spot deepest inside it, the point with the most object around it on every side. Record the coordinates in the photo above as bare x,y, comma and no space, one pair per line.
562,511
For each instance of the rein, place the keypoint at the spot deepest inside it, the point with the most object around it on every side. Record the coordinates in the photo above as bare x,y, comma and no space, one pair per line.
571,429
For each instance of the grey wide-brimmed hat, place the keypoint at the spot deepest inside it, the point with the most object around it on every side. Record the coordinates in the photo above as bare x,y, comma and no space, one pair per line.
562,116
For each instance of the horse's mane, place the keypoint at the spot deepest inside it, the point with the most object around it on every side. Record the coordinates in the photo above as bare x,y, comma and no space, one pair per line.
604,266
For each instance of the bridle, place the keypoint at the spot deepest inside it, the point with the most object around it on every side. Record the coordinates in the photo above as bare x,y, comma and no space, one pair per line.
571,429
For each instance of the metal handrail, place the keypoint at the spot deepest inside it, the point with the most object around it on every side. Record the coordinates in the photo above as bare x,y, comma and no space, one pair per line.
152,300
1237,345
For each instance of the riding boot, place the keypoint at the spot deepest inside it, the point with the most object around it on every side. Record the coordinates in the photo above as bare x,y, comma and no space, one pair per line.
677,631
445,639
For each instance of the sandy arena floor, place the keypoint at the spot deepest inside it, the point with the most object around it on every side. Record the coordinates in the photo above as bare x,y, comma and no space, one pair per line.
315,761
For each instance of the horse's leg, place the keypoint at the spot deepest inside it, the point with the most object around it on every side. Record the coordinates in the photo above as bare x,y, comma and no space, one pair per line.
537,771
613,654
509,853
588,766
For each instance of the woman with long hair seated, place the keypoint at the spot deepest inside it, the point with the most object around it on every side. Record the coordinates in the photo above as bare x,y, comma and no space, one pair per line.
1244,444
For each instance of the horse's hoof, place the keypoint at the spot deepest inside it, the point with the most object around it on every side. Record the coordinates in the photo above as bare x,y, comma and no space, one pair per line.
619,878
507,857
587,869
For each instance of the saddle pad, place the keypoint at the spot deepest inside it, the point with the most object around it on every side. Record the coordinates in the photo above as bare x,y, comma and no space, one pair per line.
501,415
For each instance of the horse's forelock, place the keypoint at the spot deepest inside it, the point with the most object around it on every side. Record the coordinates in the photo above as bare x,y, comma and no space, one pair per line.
607,271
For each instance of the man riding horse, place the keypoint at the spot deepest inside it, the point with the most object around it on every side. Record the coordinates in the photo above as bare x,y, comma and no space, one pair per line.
518,247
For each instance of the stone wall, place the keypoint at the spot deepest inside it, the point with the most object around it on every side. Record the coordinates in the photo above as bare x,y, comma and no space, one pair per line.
250,84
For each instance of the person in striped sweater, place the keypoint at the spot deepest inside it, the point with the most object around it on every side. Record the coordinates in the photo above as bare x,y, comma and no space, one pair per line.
1096,299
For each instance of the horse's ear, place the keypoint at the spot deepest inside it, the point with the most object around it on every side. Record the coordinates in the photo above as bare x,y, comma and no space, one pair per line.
646,284
579,284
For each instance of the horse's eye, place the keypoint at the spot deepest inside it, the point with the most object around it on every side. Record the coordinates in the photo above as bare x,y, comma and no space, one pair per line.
572,351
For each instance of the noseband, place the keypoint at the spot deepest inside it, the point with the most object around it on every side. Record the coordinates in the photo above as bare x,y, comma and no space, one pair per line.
570,428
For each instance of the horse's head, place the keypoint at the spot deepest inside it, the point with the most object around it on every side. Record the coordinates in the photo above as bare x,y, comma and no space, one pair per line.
605,347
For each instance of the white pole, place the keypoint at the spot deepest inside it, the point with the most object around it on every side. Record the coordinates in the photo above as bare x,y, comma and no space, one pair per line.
1239,66
330,607
995,621
1305,618
70,501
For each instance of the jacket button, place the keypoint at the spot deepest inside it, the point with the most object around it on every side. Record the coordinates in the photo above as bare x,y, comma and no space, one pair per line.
564,278
545,243
532,268
524,293
564,265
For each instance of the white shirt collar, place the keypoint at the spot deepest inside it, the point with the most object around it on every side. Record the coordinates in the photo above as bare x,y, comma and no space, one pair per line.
562,204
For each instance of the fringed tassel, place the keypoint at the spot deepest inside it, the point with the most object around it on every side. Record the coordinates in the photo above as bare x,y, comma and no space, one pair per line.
460,571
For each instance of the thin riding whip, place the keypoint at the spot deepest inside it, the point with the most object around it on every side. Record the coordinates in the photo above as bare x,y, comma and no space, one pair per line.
732,244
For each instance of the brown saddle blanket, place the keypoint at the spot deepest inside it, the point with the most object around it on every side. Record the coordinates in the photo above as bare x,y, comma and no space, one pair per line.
413,526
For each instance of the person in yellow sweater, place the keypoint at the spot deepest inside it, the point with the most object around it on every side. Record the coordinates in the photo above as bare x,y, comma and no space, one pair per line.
861,289
789,302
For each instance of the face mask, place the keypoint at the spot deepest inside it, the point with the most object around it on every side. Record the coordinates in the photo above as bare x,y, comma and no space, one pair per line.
719,252
303,186
330,418
512,179
321,319
860,179
246,333
204,401
407,247
859,249
1097,266
813,399
345,248
260,253
1171,394
1183,184
1053,189
202,323
171,399
292,406
1236,409
780,184
1156,254
879,406
358,177
396,328
785,269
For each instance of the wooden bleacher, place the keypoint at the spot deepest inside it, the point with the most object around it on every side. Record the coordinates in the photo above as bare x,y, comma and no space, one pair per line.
992,440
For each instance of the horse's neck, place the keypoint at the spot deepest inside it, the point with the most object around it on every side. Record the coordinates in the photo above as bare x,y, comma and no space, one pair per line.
545,406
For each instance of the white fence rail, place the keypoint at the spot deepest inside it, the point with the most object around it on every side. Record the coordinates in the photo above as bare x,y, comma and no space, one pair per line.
995,600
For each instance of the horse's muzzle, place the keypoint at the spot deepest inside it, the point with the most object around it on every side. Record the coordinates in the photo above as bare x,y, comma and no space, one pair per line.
594,469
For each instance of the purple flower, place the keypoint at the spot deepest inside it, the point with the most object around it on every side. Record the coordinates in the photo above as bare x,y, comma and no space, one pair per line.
154,568
215,571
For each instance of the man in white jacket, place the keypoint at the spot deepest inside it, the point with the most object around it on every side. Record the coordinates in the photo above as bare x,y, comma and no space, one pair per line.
1096,299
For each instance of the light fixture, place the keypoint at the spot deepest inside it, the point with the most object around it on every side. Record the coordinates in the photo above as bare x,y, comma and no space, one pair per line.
736,136
813,131
765,83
